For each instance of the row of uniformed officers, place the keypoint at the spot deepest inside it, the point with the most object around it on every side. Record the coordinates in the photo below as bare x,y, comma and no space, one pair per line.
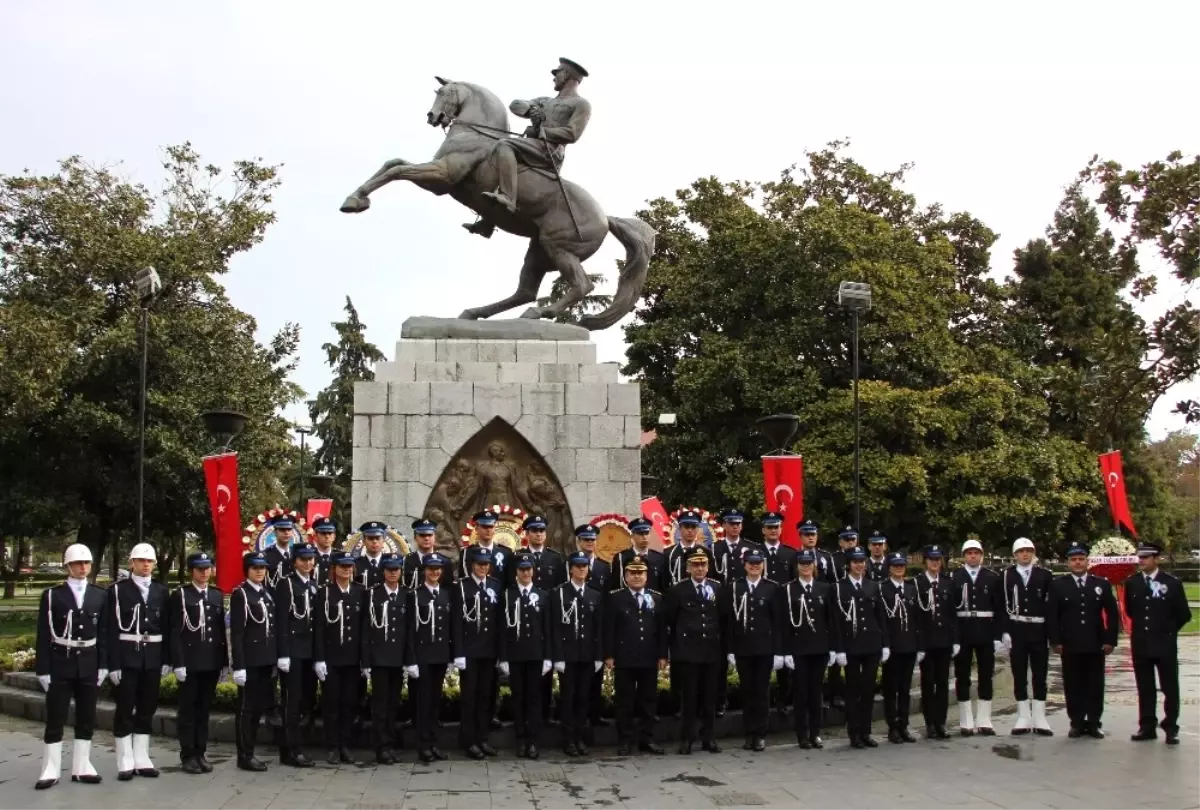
309,614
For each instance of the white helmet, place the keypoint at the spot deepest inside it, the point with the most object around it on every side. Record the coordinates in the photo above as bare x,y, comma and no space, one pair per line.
970,544
143,551
77,552
1022,542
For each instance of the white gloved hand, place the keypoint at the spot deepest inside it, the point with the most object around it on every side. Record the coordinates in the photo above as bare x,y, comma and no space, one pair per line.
560,666
841,659
44,680
320,669
460,663
599,665
166,670
997,647
365,672
115,677
239,677
100,676
777,662
503,667
832,658
546,667
789,662
1007,639
181,674
885,655
284,664
920,656
413,671
732,659
954,650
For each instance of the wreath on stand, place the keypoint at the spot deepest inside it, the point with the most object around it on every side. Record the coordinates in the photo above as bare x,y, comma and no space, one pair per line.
260,532
612,535
508,527
711,529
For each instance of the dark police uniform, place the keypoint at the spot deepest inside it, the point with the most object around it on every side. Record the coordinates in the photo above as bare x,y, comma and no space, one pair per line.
938,622
525,649
779,563
414,563
727,553
979,607
599,576
253,650
576,647
635,640
754,636
877,568
199,651
294,601
657,576
677,557
1082,617
1158,610
321,571
430,638
810,635
384,643
904,642
337,640
137,636
862,635
693,617
1025,603
368,573
279,561
476,643
502,557
72,648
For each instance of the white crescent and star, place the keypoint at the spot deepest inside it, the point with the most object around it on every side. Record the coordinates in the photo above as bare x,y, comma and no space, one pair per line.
790,493
1113,479
222,488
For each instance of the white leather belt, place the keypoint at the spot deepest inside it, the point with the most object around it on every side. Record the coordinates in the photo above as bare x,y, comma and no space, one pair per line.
147,639
75,642
1029,619
975,614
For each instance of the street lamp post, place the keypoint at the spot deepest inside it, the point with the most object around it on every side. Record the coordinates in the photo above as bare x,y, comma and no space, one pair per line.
223,426
148,285
856,297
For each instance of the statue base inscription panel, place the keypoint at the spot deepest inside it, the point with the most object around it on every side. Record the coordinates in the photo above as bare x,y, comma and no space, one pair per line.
456,425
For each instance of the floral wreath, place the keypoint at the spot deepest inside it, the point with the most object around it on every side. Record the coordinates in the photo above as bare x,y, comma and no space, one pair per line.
710,527
260,532
506,518
393,543
1114,549
610,519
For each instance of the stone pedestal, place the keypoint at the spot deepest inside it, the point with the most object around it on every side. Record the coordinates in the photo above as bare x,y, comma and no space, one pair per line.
424,409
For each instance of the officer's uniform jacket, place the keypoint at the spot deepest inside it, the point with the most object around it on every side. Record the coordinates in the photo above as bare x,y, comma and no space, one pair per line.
549,569
197,636
525,632
414,574
72,641
862,621
430,631
779,564
599,574
138,630
295,616
368,573
478,616
677,561
877,570
657,576
900,611
810,625
728,558
338,624
635,636
824,567
279,565
502,562
752,619
1025,605
978,606
253,633
694,622
936,614
1158,610
1081,619
576,623
320,572
385,627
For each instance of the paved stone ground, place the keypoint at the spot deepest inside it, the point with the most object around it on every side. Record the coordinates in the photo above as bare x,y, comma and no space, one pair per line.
1054,772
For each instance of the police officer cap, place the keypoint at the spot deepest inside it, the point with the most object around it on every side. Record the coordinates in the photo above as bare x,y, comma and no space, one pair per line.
805,556
534,522
200,559
324,525
1148,550
732,516
585,532
897,558
578,558
524,561
485,518
640,526
689,518
283,522
856,553
1022,543
422,526
772,519
390,561
373,528
1077,549
807,527
635,565
847,533
433,561
752,556
698,556
304,550
876,537
479,554
972,544
572,66
253,559
341,558
933,552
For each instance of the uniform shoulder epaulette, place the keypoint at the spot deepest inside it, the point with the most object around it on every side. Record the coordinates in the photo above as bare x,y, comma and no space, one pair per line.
651,590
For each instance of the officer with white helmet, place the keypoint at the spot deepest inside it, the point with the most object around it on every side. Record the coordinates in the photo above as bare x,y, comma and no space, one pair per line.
1026,589
72,662
137,644
979,608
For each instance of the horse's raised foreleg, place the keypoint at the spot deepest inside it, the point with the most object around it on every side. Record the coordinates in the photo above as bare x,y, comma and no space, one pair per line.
571,269
532,272
434,172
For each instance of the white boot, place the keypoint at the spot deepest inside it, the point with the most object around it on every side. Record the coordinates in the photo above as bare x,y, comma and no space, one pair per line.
125,766
1040,724
1024,718
141,756
983,722
966,723
81,765
51,767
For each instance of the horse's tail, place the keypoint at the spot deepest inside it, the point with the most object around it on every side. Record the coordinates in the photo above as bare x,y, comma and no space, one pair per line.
638,239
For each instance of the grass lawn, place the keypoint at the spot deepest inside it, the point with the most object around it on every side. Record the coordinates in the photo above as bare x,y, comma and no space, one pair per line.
1192,589
1193,626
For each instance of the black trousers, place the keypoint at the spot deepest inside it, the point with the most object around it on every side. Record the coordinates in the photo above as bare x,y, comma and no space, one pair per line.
807,679
723,684
386,686
574,693
253,699
58,703
195,704
698,698
1083,688
985,655
1029,657
1167,667
477,685
137,699
835,685
596,695
636,692
935,686
897,686
754,676
339,703
860,692
525,680
783,680
297,694
429,703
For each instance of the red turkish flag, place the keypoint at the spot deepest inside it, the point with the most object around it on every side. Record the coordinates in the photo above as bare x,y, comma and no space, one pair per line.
656,513
783,491
318,508
1114,486
220,473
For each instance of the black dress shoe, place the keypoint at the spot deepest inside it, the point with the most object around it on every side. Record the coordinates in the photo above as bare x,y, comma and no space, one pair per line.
1172,738
600,722
426,756
651,747
251,764
1075,733
487,749
894,736
906,736
300,760
531,751
1144,735
384,757
760,744
205,765
816,742
521,750
570,750
986,731
1043,732
685,748
1095,733
191,766
437,753
344,755
855,742
95,779
748,745
624,749
332,758
125,776
942,733
474,753
495,724
868,741
803,743
582,748
710,746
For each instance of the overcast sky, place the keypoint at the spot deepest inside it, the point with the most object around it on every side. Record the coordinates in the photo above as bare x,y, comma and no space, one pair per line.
997,104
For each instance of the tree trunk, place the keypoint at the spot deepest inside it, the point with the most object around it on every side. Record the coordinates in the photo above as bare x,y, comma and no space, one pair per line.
10,569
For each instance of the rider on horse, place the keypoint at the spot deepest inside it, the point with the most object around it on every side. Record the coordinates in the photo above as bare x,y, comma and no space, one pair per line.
554,123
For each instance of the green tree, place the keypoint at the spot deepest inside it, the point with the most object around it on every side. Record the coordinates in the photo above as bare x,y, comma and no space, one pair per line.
590,305
332,412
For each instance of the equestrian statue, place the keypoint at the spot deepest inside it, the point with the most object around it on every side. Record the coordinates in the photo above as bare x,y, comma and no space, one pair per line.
514,182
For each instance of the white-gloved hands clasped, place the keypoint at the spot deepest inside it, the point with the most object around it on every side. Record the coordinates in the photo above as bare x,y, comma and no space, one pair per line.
166,670
503,667
546,667
777,662
460,663
239,677
320,669
560,667
841,659
920,657
365,672
885,655
284,664
181,674
413,671
789,662
115,677
100,676
832,658
732,660
954,650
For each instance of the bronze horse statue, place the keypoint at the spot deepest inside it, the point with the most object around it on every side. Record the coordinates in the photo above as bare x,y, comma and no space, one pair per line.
563,222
